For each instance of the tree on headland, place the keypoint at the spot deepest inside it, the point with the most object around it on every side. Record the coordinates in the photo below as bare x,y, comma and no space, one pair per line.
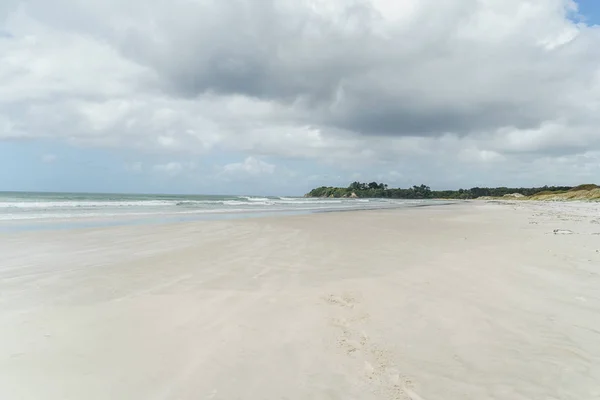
381,190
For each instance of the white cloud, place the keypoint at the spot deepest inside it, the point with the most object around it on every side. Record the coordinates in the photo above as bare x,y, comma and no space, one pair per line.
49,158
171,168
250,166
136,167
7,127
348,84
174,168
477,155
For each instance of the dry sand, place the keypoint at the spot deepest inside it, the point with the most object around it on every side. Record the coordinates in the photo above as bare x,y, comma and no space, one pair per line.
471,301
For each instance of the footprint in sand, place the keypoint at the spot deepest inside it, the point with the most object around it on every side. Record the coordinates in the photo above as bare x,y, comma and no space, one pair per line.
340,323
350,346
378,367
343,301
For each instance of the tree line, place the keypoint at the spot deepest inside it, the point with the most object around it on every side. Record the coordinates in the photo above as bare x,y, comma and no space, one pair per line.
381,190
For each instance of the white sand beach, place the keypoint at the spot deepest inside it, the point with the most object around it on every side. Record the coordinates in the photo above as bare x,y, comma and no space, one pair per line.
469,301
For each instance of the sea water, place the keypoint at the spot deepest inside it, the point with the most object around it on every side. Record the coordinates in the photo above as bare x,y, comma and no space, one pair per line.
30,210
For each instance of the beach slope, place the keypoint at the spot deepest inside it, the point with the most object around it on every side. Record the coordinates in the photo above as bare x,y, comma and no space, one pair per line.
466,301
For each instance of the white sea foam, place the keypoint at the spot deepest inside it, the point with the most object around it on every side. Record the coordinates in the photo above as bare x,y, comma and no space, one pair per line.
83,204
249,198
245,203
72,206
310,201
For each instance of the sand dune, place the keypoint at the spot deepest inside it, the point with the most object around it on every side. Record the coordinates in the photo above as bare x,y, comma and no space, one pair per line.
469,301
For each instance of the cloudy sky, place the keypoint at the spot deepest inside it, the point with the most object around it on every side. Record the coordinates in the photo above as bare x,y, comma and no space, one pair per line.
279,96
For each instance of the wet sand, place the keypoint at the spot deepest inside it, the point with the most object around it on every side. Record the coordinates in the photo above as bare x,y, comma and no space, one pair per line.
469,301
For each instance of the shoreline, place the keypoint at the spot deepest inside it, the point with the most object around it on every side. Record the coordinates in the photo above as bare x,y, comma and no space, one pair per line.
62,224
465,301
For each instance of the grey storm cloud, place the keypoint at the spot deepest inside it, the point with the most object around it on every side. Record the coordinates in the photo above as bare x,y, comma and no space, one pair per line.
347,68
305,77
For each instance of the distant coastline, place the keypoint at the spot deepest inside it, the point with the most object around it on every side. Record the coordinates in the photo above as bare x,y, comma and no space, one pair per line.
381,190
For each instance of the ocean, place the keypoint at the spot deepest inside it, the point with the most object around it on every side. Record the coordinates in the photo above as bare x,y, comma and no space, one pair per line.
30,210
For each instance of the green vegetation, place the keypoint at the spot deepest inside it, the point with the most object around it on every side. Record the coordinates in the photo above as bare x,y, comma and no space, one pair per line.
582,193
589,186
381,190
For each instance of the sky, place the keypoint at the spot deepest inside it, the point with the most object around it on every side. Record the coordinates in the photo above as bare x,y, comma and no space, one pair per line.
280,96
